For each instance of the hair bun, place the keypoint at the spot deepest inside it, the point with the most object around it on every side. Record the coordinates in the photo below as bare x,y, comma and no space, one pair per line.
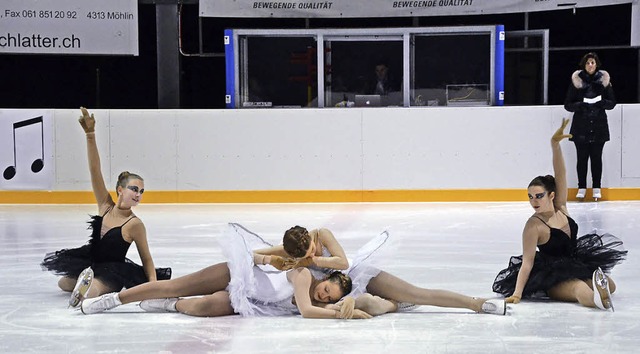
123,174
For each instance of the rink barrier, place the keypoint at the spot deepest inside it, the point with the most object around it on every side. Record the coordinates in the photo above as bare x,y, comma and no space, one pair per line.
320,196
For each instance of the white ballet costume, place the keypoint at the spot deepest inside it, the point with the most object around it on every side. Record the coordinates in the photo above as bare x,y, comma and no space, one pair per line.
254,290
265,291
361,267
367,262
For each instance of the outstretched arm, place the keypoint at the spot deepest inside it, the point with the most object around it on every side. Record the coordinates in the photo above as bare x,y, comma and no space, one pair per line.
138,233
529,244
275,256
559,168
100,192
272,251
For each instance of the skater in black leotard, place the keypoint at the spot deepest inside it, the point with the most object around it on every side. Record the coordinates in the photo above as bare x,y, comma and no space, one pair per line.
101,266
565,267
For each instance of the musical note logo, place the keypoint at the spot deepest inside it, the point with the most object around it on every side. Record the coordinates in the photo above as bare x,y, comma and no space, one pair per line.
38,164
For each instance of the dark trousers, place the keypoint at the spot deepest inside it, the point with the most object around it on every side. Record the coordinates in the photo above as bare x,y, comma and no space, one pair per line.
586,151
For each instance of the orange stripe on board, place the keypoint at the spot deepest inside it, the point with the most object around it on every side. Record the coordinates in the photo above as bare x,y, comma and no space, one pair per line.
320,196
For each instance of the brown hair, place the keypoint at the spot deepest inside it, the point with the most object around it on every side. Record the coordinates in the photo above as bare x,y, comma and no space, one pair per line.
343,280
547,182
296,241
588,56
124,177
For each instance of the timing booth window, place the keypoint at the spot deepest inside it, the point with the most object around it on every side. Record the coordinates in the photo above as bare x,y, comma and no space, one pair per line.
385,67
278,72
364,71
451,69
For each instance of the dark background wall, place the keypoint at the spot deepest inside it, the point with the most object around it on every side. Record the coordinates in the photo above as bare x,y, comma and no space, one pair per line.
54,81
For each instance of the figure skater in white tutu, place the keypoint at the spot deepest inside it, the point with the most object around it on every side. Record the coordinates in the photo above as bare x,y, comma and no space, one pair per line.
243,285
374,290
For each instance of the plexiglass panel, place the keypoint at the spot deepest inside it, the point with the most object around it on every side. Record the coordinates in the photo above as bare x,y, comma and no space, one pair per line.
363,72
443,66
524,57
451,69
278,72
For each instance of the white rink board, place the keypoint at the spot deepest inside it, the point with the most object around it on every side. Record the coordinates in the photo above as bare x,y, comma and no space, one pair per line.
334,149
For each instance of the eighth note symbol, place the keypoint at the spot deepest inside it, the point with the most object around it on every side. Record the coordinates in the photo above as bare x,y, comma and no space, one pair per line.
38,164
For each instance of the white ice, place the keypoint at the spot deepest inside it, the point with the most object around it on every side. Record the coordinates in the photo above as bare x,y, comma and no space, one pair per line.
454,246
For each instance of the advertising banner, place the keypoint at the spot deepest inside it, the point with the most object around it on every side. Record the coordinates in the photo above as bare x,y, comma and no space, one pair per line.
69,27
384,8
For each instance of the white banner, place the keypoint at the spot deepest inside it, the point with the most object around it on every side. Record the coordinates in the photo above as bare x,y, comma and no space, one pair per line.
384,8
69,26
26,149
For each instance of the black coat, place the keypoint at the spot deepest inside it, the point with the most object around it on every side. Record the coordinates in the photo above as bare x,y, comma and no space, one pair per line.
589,120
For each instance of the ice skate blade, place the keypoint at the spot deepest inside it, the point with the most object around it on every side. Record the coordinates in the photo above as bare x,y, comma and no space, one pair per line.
601,292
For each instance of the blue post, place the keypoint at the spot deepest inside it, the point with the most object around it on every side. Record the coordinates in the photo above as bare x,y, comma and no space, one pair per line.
230,72
499,66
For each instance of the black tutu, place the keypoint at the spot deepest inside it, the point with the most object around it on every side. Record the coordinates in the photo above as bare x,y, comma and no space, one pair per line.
591,251
109,266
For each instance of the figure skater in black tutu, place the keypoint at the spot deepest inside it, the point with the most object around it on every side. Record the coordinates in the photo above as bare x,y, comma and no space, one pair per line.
564,267
101,266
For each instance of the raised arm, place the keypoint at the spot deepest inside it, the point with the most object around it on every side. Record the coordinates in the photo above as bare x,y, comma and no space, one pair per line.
559,168
100,192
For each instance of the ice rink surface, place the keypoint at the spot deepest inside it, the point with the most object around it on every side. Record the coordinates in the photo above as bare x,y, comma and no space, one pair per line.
453,246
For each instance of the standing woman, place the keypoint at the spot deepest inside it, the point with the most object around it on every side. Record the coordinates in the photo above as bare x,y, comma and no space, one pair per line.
565,268
101,266
589,95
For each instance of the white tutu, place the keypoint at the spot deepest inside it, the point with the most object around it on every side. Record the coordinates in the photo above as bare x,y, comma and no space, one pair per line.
254,290
265,291
364,266
367,262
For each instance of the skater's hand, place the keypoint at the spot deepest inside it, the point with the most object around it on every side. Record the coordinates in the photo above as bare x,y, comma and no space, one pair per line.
559,134
278,262
87,121
360,315
304,262
347,307
290,263
334,307
513,299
